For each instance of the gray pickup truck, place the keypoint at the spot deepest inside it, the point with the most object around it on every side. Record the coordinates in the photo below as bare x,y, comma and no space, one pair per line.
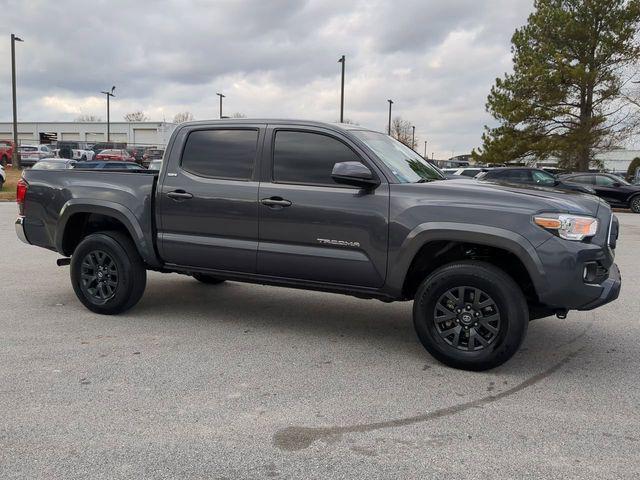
335,208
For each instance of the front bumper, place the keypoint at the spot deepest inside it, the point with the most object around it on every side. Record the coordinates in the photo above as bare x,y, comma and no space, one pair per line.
610,289
19,225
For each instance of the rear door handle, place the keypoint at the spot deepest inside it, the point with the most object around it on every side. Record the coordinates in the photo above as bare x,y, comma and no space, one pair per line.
275,202
179,195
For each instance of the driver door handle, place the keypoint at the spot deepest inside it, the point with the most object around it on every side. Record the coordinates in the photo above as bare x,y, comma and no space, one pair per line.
179,195
275,202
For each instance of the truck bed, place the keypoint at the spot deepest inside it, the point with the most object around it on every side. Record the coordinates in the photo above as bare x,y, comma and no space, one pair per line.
55,197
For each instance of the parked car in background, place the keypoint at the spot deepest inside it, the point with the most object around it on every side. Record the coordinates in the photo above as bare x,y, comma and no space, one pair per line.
152,154
120,155
6,152
3,176
616,191
137,153
30,154
98,147
470,172
73,150
155,165
532,176
54,164
108,166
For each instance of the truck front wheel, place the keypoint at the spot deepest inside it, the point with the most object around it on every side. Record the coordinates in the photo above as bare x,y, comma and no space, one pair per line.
470,315
107,273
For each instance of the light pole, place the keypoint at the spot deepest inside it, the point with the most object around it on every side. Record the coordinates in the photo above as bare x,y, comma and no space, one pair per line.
413,137
425,150
15,161
221,97
109,95
342,61
390,103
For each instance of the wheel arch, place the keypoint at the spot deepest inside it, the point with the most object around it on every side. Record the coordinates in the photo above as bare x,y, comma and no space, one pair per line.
435,241
79,217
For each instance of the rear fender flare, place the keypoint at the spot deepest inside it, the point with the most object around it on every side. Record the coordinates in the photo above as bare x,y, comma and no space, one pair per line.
111,209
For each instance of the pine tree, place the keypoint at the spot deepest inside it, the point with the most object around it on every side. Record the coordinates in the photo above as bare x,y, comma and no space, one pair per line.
565,95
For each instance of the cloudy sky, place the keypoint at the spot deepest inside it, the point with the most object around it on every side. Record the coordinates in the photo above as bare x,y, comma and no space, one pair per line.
436,59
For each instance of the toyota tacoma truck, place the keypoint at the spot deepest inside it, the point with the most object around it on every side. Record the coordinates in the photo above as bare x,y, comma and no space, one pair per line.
335,208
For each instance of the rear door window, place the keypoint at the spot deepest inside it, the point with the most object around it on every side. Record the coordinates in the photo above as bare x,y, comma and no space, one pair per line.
516,176
586,179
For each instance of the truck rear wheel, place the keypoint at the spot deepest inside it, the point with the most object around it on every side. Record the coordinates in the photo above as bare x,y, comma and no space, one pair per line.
208,279
470,315
107,273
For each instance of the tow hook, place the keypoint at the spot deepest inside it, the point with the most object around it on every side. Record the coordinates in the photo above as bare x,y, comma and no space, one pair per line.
561,314
63,262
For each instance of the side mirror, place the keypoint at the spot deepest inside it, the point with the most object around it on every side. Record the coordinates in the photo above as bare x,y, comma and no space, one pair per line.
616,184
355,174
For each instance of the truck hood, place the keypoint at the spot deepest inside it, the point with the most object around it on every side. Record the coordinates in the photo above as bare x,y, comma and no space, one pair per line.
508,196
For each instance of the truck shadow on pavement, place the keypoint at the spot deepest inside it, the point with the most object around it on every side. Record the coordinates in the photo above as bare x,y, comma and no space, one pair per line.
320,315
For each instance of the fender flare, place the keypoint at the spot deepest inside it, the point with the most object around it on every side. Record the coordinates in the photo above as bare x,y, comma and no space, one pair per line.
465,232
110,209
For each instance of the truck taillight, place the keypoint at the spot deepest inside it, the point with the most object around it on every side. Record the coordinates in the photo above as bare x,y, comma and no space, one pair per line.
21,193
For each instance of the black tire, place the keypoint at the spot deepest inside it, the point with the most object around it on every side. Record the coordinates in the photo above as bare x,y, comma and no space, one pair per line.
507,331
208,279
1,183
634,204
130,273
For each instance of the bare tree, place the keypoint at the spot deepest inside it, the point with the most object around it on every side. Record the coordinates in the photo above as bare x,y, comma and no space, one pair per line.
88,118
138,116
182,117
238,115
402,131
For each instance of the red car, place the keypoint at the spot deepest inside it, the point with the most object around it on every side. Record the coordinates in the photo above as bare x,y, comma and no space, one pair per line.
6,152
115,154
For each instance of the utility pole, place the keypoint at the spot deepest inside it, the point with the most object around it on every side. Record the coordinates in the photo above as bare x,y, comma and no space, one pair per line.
413,138
109,94
425,150
221,97
15,160
390,103
342,61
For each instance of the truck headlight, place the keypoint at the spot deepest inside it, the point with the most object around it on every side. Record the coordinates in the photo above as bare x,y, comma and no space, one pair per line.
569,227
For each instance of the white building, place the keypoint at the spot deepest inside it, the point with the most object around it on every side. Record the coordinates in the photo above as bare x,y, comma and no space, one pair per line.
132,133
617,160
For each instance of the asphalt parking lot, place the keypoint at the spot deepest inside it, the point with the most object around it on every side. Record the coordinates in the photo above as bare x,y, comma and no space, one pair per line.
243,381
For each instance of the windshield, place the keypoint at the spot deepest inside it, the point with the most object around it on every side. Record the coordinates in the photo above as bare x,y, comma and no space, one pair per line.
405,164
621,180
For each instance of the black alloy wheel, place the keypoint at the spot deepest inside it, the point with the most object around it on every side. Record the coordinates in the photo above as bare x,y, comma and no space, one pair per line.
467,318
99,276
